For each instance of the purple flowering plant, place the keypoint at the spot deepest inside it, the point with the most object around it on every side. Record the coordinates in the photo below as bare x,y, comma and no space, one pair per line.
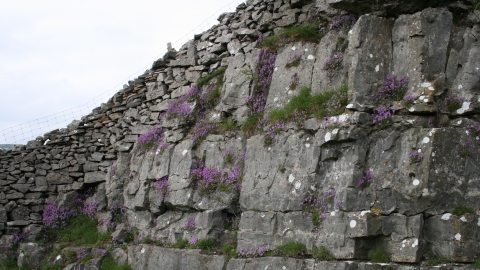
162,186
466,149
201,130
263,77
408,100
317,208
415,158
275,129
336,104
454,103
333,66
190,224
345,22
151,138
294,82
255,252
383,116
294,61
366,180
393,89
332,123
474,130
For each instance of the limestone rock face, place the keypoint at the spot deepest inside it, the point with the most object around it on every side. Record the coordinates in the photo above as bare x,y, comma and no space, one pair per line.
189,155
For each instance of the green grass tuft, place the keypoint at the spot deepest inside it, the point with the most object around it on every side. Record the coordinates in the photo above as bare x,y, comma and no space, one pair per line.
206,79
379,255
476,265
304,33
434,260
82,230
229,250
251,124
462,210
109,263
206,244
11,264
305,102
322,254
180,244
292,249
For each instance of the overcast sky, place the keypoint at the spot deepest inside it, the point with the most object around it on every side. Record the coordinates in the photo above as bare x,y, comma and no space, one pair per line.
58,55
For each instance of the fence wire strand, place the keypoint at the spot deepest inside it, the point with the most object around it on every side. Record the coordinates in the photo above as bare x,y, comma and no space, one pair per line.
21,133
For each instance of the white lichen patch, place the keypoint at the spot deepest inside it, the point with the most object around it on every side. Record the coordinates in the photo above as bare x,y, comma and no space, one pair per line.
188,195
460,86
328,136
353,223
312,187
275,99
478,224
310,57
184,152
291,178
307,145
411,109
416,182
465,106
425,192
276,68
458,237
463,219
446,216
426,140
364,212
298,184
262,215
143,250
377,68
371,55
293,48
433,154
335,131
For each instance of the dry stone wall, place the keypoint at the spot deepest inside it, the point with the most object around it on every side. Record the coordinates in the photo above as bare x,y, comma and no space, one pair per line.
405,208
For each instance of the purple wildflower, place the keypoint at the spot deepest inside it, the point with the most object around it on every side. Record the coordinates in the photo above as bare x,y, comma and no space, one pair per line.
415,158
162,186
474,130
152,138
366,180
383,116
190,224
466,149
263,78
193,241
393,89
408,100
255,252
317,209
345,22
333,66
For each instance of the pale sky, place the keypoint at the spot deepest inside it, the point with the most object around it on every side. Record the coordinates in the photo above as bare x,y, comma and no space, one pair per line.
59,55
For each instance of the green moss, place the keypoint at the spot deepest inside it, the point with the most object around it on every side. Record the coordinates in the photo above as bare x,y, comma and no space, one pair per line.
304,33
109,263
434,260
310,105
11,265
229,250
292,249
322,254
180,244
462,210
379,255
251,124
206,79
82,230
206,244
227,126
477,264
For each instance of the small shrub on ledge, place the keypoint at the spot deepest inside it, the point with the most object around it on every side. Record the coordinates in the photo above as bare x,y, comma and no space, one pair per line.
379,255
152,138
454,103
415,158
292,249
333,66
304,33
322,254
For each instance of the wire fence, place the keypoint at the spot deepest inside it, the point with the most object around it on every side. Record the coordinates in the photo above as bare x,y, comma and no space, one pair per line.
21,133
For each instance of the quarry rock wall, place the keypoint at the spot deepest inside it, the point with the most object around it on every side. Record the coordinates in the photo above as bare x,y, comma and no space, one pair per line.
372,176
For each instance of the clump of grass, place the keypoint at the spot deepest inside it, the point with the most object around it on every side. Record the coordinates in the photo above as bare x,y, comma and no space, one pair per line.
434,260
304,33
227,126
476,265
251,124
206,244
180,244
304,102
292,249
109,263
476,4
229,250
11,264
379,255
323,254
216,74
82,230
462,210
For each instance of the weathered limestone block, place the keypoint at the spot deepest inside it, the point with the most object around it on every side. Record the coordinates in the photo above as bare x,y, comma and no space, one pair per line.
467,82
117,176
326,49
455,237
150,257
279,177
155,90
179,182
94,177
31,255
237,84
369,6
370,52
136,192
283,85
188,59
56,178
159,169
420,43
266,263
215,149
